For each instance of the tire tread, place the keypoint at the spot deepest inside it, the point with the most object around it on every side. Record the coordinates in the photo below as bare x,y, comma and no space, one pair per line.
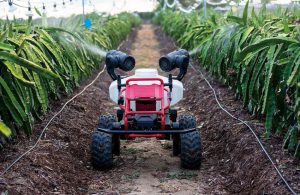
190,143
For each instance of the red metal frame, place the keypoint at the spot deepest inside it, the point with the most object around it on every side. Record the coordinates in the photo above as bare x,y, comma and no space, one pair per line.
144,93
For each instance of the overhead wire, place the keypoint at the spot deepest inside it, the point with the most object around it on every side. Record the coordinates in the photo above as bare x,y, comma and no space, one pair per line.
42,2
18,5
30,4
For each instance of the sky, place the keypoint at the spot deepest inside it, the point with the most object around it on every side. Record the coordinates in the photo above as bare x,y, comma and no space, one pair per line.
110,6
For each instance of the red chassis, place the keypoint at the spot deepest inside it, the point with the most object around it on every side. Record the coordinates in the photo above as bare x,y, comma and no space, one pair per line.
143,110
145,98
144,101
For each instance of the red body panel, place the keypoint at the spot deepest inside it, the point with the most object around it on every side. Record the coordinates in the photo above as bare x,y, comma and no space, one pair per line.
145,98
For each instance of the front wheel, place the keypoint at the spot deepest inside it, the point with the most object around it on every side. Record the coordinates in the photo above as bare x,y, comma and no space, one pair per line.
104,145
190,144
101,150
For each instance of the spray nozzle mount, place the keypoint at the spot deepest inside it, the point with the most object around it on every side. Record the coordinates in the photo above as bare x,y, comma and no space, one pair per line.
117,59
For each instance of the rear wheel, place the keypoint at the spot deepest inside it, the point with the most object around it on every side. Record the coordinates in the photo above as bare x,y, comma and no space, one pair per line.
104,145
190,144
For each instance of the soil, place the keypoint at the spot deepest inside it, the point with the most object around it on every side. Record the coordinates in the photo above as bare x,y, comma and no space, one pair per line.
233,163
145,48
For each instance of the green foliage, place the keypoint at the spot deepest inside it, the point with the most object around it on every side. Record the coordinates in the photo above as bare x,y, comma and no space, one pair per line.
258,55
146,15
4,129
38,64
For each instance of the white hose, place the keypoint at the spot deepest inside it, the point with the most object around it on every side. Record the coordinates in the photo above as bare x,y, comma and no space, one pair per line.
49,122
223,2
171,5
180,7
250,128
191,8
45,128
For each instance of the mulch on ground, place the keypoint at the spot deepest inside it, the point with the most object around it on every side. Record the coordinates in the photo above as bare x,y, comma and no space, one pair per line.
232,157
233,163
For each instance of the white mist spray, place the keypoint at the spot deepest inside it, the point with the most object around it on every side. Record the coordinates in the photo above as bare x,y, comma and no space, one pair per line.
194,51
95,49
90,47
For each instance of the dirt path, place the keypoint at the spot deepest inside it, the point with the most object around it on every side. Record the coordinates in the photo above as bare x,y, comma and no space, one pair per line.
146,47
152,168
232,164
60,164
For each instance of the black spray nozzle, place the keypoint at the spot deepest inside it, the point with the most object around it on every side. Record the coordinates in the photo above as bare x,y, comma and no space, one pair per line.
117,59
176,59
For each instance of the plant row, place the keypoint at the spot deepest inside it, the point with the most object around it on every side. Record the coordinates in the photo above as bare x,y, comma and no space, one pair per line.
257,54
39,64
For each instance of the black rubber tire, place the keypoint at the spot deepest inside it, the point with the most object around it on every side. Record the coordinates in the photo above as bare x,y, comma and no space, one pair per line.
104,145
176,145
184,123
106,121
116,145
101,150
190,143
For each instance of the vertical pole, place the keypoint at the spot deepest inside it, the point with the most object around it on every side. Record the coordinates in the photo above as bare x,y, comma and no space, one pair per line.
165,5
204,7
83,11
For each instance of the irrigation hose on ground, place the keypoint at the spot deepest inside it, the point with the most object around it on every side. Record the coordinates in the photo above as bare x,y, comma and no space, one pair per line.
49,122
216,98
249,127
45,128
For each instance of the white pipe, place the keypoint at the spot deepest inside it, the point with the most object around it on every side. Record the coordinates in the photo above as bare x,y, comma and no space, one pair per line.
82,11
204,7
170,5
